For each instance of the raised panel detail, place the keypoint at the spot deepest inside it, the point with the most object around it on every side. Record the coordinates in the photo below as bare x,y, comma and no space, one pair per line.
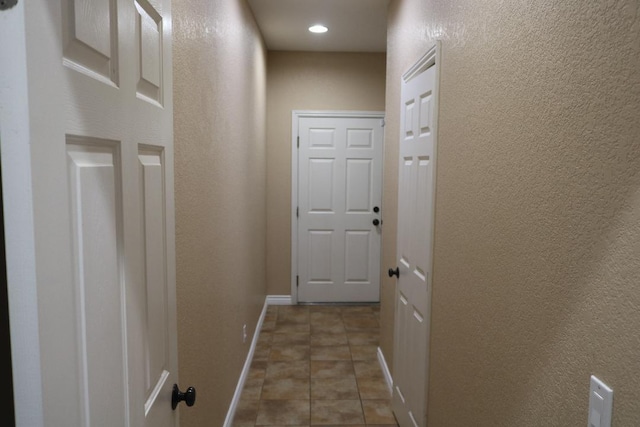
405,198
152,196
359,138
425,113
409,110
422,209
358,191
321,138
149,44
320,191
320,264
90,34
357,251
95,200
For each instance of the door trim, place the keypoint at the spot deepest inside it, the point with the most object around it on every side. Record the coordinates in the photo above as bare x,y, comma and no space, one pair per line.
296,115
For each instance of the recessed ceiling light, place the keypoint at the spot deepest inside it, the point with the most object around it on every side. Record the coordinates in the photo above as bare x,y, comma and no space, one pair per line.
318,29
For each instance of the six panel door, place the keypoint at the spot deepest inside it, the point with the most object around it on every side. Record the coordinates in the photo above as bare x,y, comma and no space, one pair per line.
100,149
414,243
339,185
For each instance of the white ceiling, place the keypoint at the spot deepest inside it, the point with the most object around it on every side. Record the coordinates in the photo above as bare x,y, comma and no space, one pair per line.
354,25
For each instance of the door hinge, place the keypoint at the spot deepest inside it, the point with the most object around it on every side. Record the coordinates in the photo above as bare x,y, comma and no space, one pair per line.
382,123
298,142
297,212
297,281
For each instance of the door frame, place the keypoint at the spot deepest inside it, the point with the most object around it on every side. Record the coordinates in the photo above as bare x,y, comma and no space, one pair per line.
432,58
296,115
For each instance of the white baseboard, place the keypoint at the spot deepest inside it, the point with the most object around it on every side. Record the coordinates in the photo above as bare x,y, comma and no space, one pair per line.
228,422
385,370
269,300
278,300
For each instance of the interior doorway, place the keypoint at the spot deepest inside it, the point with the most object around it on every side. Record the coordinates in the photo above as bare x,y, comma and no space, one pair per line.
336,199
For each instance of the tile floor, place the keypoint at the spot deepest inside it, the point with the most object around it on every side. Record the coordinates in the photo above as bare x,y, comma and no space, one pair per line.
316,366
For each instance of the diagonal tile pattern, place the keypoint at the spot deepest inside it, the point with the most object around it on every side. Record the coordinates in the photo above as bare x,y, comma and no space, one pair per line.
316,366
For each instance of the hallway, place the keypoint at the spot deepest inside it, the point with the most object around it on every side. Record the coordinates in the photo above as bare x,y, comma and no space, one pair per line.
316,366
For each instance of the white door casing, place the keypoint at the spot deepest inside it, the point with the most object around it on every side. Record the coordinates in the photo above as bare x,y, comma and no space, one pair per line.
416,200
87,163
339,189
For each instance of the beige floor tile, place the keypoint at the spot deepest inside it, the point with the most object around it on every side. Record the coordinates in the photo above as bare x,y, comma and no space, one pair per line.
291,338
288,369
324,353
357,309
283,352
292,309
367,369
329,339
325,317
373,388
264,337
268,325
298,316
378,412
284,328
335,328
331,368
283,412
369,337
246,413
252,389
336,412
285,389
364,352
337,352
261,353
360,321
325,309
334,388
257,369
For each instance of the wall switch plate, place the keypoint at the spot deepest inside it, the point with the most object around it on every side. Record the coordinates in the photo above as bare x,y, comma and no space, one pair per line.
600,403
244,333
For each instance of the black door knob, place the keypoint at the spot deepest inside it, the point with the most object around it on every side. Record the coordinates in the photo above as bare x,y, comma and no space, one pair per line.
395,272
376,222
376,209
188,396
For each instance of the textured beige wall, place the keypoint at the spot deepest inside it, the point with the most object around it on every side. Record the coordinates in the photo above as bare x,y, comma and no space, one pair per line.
220,165
537,244
307,81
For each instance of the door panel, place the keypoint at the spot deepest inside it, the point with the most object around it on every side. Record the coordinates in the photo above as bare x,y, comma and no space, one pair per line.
415,235
96,212
358,185
339,183
100,171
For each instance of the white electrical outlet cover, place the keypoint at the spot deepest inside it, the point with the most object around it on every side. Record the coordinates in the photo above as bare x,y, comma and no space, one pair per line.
600,403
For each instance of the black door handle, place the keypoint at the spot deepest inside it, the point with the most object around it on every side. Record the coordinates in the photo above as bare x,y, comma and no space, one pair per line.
177,396
395,272
376,222
376,209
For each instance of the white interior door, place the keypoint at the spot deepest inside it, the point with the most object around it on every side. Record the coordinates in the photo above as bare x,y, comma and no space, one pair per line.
339,196
415,235
87,144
